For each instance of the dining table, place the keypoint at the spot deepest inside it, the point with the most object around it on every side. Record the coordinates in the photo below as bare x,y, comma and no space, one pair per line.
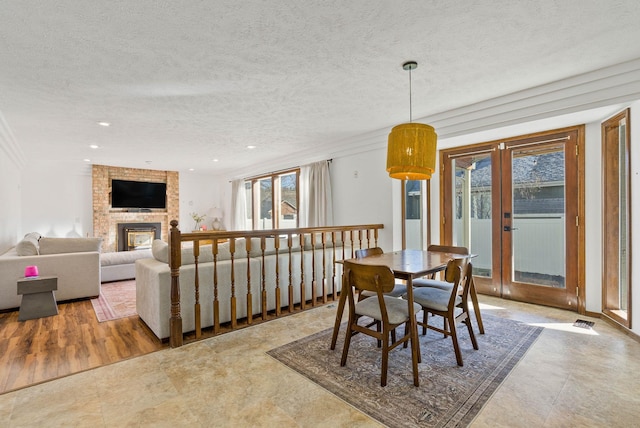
406,265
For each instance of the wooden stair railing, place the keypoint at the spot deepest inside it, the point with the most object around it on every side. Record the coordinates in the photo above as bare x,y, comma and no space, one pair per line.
342,238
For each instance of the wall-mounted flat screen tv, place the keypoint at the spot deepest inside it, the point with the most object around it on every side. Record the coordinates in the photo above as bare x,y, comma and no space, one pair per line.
138,194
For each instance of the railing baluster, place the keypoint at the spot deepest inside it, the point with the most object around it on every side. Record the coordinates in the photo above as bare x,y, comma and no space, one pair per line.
324,268
290,244
196,308
303,294
314,293
232,249
216,303
333,266
264,284
276,245
249,295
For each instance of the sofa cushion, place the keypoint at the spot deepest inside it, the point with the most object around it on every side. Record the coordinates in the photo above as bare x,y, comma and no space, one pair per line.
69,245
160,250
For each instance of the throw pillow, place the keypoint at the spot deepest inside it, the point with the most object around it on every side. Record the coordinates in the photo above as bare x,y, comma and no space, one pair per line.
28,246
160,250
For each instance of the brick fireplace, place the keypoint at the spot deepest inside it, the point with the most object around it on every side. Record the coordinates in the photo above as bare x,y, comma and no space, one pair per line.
106,219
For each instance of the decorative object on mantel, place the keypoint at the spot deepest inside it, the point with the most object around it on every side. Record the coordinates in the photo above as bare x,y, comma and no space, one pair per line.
411,151
198,219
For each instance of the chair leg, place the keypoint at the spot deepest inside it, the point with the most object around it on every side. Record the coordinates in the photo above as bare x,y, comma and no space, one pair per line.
454,338
385,358
425,321
476,306
336,324
347,342
467,321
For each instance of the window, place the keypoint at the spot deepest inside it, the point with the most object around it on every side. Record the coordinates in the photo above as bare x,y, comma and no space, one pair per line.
272,201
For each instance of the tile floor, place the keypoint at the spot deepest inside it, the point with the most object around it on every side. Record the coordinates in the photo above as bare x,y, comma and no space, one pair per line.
570,377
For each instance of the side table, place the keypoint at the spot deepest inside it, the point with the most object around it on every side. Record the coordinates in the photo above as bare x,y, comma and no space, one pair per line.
38,299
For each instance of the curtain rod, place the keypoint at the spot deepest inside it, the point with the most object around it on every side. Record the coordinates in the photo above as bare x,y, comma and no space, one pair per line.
275,172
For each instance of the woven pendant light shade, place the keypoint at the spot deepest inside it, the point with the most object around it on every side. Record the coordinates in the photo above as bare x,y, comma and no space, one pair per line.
411,151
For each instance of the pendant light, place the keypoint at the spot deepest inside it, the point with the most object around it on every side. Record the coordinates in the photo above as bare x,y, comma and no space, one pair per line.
411,151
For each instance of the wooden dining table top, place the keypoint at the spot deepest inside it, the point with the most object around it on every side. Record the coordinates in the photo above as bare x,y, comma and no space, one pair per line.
409,264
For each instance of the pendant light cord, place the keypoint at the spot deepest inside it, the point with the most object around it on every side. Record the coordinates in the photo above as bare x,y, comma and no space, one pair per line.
410,100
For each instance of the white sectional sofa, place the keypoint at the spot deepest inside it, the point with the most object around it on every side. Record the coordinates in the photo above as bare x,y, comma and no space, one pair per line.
153,280
74,261
121,265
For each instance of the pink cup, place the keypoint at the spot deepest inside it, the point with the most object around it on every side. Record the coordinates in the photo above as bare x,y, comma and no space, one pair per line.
30,271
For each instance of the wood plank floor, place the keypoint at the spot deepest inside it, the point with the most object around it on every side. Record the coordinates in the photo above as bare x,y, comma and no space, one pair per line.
38,350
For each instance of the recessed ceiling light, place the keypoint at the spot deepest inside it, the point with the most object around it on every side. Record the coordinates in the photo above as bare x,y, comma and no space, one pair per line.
94,146
87,160
191,169
104,124
215,160
251,147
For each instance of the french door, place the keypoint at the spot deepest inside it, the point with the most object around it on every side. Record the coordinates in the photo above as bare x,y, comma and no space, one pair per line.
516,204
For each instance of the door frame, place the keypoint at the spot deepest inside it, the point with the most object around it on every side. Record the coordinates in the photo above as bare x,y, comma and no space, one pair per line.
494,286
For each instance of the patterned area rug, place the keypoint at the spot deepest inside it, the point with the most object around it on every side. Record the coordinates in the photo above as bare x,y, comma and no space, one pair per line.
116,300
448,395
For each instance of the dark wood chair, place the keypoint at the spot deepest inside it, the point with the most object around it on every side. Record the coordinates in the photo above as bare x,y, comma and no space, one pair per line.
398,290
388,312
452,304
444,285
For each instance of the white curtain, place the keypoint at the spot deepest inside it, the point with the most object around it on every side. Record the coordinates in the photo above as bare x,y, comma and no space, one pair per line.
238,205
316,206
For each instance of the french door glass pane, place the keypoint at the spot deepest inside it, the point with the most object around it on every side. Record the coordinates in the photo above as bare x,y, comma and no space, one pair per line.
472,209
413,215
623,173
538,211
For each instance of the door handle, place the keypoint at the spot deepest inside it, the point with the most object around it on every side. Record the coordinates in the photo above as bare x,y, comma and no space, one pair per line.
509,228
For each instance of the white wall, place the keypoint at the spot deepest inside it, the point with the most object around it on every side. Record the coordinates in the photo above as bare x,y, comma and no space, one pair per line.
57,199
635,218
10,207
199,193
362,193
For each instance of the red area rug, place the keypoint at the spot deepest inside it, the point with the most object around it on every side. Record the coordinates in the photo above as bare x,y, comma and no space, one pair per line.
116,300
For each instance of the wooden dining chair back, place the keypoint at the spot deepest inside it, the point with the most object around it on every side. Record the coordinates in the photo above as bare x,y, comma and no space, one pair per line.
388,312
366,252
452,304
397,291
446,285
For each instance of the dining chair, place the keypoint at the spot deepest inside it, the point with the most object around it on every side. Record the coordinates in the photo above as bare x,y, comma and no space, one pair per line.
388,312
444,285
398,290
452,305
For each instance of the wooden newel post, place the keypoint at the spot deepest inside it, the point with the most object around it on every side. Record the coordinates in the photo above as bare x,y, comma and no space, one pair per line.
175,260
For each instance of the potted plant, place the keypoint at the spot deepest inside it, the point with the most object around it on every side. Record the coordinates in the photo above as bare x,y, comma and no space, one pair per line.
198,219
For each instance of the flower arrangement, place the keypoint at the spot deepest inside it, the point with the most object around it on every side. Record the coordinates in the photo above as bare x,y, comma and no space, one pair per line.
198,219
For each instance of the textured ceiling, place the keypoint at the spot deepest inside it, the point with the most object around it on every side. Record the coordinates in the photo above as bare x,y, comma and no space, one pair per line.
186,82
